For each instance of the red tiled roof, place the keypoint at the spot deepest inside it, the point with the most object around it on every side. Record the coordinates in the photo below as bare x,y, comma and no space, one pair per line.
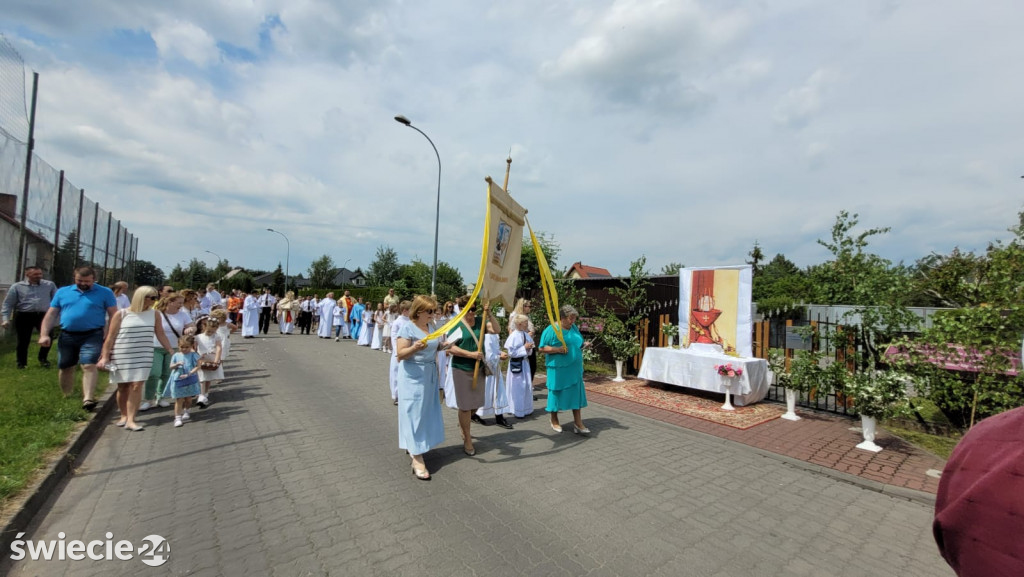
589,271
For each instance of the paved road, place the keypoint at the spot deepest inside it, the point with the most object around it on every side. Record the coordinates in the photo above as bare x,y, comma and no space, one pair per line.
295,470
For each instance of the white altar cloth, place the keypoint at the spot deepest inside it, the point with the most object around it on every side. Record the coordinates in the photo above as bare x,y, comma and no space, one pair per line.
696,369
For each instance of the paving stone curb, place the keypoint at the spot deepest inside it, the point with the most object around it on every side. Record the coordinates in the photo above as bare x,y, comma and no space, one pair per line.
59,467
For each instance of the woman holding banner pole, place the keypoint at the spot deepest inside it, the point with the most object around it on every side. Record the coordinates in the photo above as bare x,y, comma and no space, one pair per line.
564,361
465,353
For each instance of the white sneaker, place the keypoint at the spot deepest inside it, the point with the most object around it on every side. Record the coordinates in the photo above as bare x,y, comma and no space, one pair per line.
202,401
185,416
164,403
177,422
145,406
337,339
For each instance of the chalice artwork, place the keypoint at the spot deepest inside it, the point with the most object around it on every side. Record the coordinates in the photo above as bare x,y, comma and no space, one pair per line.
703,311
704,317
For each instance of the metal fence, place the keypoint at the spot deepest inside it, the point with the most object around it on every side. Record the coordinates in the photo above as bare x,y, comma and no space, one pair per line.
63,228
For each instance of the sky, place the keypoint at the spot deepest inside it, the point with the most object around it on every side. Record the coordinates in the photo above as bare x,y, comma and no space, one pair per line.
679,130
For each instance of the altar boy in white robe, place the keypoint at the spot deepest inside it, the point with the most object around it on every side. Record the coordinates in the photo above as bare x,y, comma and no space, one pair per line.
326,309
250,317
518,377
495,391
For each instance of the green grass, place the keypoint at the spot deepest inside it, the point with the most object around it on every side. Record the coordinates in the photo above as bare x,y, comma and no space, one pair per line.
35,418
935,444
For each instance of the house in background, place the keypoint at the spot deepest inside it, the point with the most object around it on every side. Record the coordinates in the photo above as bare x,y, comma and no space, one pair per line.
345,278
38,249
580,270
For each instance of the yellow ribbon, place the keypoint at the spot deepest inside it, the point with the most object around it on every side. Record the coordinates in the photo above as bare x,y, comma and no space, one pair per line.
547,283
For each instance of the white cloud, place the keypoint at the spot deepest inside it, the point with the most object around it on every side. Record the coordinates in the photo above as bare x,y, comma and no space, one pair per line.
635,127
647,51
801,104
176,38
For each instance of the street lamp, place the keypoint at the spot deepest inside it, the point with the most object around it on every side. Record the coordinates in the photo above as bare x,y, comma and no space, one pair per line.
287,257
343,283
437,219
216,255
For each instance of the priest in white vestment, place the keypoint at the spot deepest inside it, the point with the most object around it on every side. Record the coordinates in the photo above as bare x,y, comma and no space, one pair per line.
250,317
326,309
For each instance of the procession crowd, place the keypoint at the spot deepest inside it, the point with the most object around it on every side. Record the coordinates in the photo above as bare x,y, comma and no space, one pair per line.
161,346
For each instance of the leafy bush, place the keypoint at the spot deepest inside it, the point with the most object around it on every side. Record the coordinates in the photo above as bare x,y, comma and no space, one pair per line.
879,394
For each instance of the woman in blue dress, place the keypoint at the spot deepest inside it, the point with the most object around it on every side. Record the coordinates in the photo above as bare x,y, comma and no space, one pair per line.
420,425
565,370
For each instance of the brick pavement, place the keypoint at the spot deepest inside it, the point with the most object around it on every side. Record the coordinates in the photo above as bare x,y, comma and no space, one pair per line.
294,470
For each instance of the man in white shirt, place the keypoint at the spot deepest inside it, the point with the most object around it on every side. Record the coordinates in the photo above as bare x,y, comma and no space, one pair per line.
215,297
266,303
120,289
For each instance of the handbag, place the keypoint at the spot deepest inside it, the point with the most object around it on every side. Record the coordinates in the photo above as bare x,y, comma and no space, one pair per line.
515,366
209,365
187,379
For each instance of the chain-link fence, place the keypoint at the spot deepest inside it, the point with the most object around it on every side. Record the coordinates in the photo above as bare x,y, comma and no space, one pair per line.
63,229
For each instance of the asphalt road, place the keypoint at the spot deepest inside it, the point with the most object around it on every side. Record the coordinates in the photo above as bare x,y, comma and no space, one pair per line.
295,470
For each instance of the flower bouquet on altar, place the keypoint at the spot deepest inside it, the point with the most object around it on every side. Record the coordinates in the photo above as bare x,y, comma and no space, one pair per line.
727,370
671,331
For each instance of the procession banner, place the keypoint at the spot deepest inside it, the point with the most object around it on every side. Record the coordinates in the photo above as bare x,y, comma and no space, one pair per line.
505,236
715,304
499,256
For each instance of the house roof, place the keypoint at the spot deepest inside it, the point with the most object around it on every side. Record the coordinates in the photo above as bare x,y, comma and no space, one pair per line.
343,276
584,271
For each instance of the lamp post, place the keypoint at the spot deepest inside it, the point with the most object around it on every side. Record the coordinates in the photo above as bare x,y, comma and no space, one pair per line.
343,283
287,257
437,218
216,255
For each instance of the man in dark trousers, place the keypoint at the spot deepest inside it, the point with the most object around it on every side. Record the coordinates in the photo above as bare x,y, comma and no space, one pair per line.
28,301
266,303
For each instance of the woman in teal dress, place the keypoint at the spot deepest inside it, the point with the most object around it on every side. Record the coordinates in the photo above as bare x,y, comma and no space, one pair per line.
565,370
420,425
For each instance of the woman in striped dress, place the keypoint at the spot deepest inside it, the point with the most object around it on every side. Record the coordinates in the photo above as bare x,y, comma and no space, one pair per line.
128,352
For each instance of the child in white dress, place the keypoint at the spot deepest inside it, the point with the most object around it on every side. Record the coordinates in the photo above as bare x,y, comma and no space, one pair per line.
210,349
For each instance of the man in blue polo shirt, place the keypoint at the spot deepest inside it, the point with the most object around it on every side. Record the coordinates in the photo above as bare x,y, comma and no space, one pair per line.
83,309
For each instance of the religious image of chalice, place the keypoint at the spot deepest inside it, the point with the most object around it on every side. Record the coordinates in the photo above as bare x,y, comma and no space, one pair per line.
704,317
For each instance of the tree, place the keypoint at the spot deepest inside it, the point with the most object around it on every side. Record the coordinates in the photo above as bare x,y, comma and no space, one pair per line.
277,283
415,279
983,335
672,268
756,256
220,271
321,272
780,285
854,276
147,273
529,272
633,293
384,270
242,281
64,259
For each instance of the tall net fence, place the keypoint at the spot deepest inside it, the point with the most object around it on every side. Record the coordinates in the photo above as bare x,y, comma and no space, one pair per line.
63,229
13,111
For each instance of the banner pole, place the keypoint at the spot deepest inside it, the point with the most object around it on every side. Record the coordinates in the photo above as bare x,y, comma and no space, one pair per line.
483,327
508,169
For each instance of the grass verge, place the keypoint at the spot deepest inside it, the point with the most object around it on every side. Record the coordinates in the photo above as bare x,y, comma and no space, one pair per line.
35,418
936,444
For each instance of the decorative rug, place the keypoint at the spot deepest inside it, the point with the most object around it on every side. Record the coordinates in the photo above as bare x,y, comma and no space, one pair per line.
689,402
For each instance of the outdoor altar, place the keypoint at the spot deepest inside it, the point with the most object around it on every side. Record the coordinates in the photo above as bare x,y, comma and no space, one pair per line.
717,343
